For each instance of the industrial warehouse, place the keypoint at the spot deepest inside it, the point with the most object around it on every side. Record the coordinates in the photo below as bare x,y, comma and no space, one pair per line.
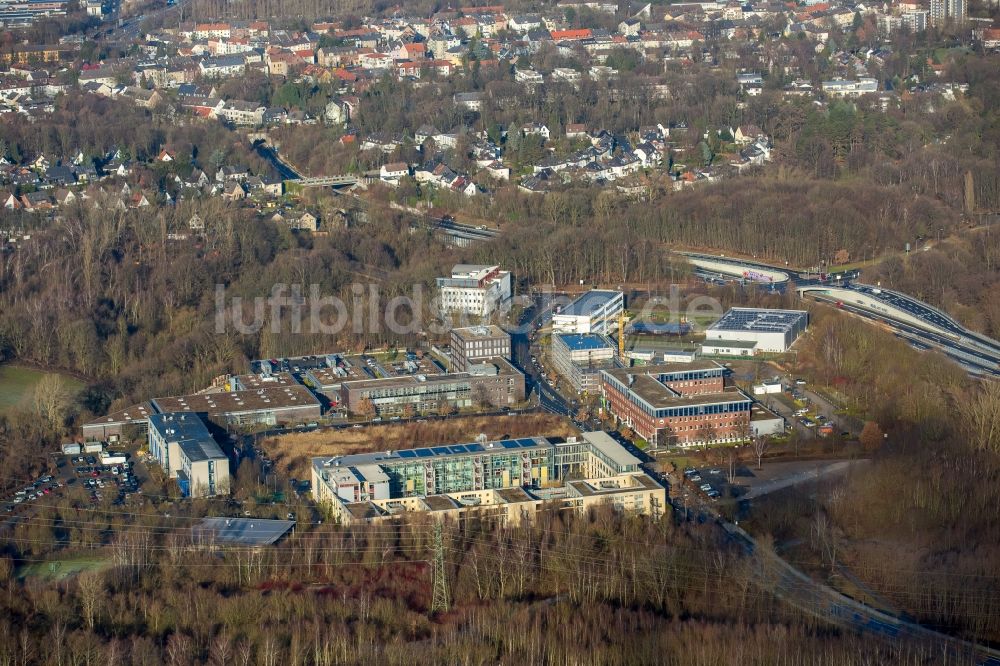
268,403
509,480
750,331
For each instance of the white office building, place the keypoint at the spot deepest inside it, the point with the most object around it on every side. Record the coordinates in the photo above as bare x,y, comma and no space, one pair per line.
475,290
768,331
185,449
593,312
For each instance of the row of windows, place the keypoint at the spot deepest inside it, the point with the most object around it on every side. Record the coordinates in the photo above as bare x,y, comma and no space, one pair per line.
689,374
699,426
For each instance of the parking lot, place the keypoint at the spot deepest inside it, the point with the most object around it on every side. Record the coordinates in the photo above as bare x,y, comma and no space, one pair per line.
116,481
40,487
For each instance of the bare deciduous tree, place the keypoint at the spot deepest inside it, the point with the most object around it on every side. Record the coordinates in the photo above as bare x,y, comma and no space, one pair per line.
51,399
982,418
760,445
91,592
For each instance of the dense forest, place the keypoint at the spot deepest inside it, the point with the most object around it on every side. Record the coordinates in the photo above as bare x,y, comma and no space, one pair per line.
917,523
600,589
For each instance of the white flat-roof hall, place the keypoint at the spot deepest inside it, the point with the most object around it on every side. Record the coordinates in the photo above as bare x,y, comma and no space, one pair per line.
773,330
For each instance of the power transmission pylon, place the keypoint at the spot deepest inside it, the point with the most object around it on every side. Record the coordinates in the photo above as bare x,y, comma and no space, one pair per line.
439,602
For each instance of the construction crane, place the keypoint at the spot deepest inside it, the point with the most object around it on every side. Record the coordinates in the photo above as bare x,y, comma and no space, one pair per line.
622,319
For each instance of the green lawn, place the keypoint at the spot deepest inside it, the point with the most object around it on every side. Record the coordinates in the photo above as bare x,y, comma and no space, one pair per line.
56,570
17,385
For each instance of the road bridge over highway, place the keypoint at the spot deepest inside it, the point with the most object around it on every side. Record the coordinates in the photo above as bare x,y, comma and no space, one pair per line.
325,181
922,325
745,270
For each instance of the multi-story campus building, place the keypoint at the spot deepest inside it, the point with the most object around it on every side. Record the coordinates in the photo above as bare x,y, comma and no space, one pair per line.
596,311
749,331
492,382
510,480
677,404
186,451
476,344
265,404
250,400
580,357
475,290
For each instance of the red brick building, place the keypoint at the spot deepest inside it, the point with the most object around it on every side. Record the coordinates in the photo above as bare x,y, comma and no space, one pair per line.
682,404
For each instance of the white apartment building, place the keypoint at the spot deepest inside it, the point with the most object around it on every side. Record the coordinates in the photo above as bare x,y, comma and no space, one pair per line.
846,88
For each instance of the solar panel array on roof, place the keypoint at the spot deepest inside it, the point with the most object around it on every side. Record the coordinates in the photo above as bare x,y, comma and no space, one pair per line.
382,458
747,319
243,531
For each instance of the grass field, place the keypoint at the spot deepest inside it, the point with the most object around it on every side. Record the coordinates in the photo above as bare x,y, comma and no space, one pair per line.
292,453
56,570
17,384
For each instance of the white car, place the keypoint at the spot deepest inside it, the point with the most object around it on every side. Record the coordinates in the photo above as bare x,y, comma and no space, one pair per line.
706,487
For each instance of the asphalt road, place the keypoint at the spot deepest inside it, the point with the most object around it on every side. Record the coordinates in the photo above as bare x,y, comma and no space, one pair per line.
977,353
131,28
823,602
974,359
